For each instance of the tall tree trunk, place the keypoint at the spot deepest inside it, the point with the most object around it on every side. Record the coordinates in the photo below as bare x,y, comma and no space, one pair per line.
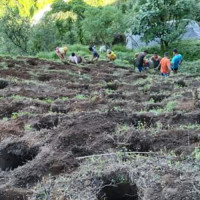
164,45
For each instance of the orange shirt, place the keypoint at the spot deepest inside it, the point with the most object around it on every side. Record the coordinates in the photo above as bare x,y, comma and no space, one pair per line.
164,65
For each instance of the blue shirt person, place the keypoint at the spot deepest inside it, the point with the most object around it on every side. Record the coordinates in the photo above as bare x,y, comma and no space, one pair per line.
176,61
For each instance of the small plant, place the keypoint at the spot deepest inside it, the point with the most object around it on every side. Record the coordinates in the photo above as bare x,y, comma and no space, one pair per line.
152,100
64,98
5,119
117,108
80,96
28,127
141,125
109,91
191,126
47,101
196,154
14,115
170,106
17,97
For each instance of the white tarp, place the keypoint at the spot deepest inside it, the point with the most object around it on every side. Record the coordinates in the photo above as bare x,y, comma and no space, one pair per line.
134,41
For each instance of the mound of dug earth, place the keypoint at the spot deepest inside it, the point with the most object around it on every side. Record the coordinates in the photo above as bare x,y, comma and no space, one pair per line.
97,132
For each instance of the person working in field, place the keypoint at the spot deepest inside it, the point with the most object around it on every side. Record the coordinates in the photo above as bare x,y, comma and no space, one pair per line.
156,60
61,52
95,55
140,60
176,61
165,65
75,59
111,55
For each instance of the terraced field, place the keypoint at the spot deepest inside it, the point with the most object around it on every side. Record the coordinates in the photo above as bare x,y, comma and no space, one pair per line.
97,132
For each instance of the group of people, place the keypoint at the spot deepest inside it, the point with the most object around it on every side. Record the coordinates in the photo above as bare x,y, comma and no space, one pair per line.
73,58
164,65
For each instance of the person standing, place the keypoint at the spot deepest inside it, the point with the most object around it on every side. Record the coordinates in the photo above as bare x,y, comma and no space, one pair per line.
165,65
176,61
140,60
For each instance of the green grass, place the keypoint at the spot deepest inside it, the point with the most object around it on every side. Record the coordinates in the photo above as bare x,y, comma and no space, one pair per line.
190,67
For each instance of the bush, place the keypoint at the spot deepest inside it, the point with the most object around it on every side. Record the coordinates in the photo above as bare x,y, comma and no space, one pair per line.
190,67
121,48
47,55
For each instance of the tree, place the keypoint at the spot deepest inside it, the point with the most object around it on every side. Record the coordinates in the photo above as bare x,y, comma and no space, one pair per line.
101,24
163,19
16,28
76,7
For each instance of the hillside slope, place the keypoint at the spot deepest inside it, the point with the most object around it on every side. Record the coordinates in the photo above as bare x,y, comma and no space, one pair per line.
53,116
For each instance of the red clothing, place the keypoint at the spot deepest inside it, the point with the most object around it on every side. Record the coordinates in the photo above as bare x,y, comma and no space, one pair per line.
165,65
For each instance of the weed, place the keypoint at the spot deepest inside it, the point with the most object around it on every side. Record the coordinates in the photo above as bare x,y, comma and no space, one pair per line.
117,108
196,154
170,106
14,115
109,91
152,100
141,125
191,126
64,98
80,96
17,97
28,127
47,101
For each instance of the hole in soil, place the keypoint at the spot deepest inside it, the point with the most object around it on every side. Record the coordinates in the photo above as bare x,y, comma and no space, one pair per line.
32,62
142,121
44,77
112,86
139,145
3,84
181,83
16,155
122,191
46,123
157,98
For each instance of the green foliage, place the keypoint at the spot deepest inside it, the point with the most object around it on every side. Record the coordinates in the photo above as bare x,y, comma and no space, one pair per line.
15,29
191,127
196,154
162,19
80,96
27,8
100,24
47,55
28,127
170,106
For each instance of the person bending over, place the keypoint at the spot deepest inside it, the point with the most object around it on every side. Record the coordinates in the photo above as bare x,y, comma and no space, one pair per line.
140,60
156,60
95,55
61,52
111,55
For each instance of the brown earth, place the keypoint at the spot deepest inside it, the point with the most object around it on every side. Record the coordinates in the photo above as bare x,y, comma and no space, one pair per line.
51,114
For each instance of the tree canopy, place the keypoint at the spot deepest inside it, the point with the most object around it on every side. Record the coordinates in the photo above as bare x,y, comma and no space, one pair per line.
163,19
91,21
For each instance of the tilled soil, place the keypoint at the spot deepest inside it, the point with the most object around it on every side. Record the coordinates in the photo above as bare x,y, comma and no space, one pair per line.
56,119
